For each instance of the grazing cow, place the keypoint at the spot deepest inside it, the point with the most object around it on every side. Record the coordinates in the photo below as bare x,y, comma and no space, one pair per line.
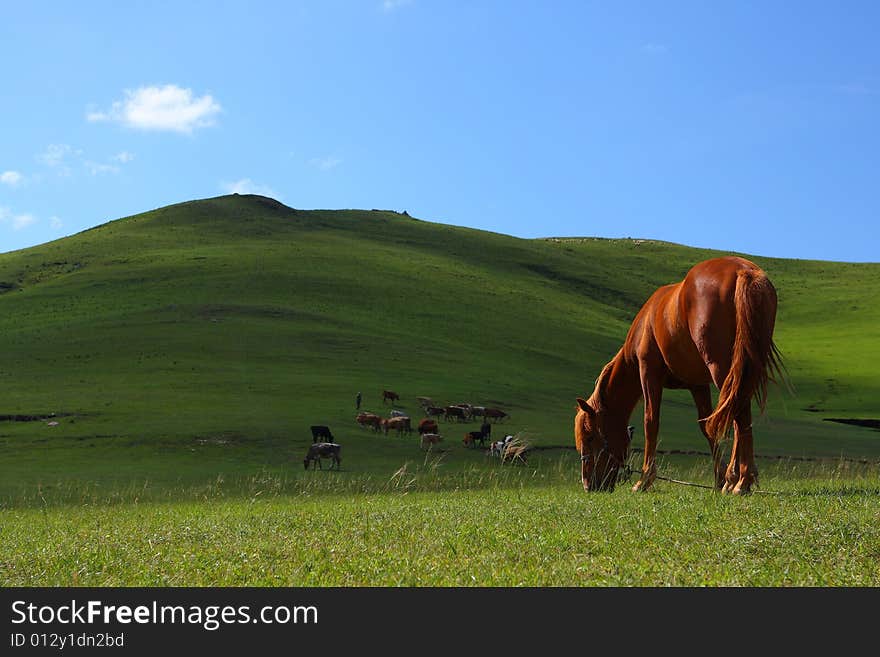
478,411
427,426
435,411
388,394
471,437
468,410
396,413
320,431
319,451
401,424
424,402
495,414
430,439
456,412
369,420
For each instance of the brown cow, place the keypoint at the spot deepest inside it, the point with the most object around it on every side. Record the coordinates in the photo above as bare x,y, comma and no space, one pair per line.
427,426
401,424
388,394
369,420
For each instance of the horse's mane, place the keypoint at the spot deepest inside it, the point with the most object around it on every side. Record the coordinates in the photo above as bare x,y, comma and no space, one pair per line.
598,396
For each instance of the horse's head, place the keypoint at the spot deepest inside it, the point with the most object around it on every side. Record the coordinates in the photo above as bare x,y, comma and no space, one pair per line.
602,445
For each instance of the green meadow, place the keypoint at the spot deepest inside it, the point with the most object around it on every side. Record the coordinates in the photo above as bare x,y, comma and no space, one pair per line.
175,360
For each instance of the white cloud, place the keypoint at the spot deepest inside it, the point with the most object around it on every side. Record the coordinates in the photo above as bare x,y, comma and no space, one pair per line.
391,5
22,221
169,108
11,178
16,221
55,222
123,157
325,163
247,186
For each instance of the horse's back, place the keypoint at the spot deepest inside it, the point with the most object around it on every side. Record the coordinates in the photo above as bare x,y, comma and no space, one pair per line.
709,295
692,324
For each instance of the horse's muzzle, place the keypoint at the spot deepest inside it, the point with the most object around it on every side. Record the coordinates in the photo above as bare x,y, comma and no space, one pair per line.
601,476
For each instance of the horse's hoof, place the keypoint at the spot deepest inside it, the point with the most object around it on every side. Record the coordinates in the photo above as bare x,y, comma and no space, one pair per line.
726,488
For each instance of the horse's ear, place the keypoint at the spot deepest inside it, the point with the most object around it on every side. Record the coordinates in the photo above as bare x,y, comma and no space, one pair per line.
585,406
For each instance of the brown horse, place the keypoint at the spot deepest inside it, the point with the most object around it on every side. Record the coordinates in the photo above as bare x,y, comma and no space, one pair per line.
715,326
389,394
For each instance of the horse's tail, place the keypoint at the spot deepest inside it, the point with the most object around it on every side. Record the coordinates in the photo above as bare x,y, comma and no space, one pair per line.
755,358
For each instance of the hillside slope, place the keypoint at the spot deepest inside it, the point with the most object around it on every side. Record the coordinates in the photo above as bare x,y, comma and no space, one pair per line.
238,321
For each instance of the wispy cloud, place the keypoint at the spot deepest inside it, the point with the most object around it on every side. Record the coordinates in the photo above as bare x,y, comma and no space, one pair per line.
56,155
169,108
56,223
16,221
95,168
325,163
113,165
11,178
63,158
247,186
391,5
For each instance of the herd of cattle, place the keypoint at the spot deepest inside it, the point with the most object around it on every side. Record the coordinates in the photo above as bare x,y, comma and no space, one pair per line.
324,445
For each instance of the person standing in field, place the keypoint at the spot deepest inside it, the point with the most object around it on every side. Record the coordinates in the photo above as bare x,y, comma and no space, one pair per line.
357,401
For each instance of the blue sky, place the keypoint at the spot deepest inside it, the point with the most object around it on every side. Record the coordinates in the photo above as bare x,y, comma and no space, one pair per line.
741,126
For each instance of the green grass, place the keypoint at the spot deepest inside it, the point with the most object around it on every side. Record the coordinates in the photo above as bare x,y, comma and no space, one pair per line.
502,527
188,349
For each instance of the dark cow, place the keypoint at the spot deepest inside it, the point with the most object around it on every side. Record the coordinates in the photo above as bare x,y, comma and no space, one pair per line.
455,412
495,414
435,411
471,437
319,451
320,431
388,394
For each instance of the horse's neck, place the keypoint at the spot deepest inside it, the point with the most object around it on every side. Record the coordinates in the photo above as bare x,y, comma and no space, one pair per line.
619,388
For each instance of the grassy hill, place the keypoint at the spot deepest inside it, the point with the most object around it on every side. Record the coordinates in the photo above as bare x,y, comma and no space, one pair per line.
200,341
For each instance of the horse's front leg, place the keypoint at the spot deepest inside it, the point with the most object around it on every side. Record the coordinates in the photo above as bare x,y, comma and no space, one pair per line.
652,389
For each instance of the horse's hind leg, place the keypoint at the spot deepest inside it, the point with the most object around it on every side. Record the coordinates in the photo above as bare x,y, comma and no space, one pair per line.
747,473
703,401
